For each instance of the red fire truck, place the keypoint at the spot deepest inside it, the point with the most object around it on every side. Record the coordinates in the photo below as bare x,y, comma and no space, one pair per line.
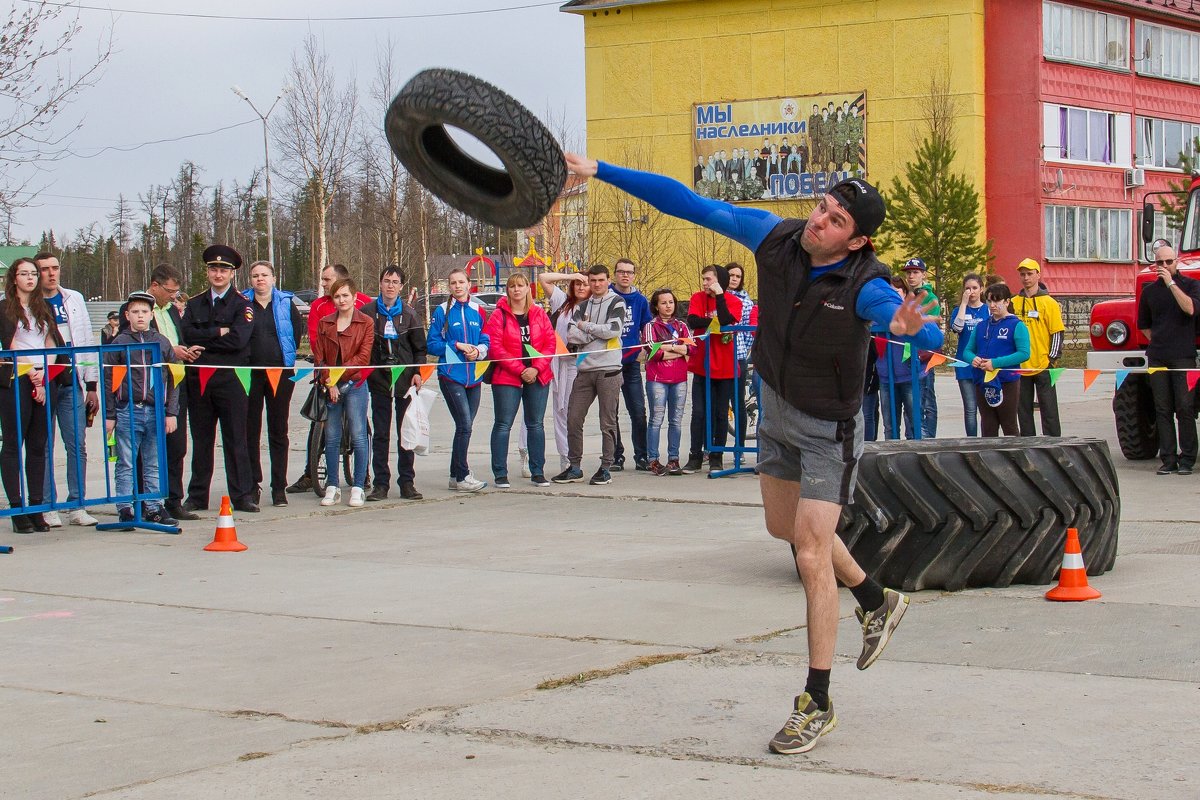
1118,344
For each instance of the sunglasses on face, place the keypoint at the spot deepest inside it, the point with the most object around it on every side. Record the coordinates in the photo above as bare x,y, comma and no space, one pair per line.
1163,262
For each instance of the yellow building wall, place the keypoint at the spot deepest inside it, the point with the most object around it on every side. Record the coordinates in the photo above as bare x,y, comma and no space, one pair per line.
648,64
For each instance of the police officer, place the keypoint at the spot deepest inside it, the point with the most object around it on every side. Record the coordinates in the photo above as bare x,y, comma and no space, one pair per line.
219,321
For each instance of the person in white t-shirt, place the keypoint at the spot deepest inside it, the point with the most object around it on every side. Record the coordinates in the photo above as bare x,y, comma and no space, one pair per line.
562,303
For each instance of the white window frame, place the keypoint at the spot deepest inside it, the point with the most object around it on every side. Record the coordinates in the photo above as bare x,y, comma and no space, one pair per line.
1120,133
1083,36
1088,233
1153,154
1174,52
1163,229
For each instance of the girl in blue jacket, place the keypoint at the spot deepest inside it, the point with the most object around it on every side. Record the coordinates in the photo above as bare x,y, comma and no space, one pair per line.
1000,342
456,337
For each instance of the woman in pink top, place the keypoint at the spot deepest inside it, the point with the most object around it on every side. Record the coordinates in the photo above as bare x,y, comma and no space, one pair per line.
666,380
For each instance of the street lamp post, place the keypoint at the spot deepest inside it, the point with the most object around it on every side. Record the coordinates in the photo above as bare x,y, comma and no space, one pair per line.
267,161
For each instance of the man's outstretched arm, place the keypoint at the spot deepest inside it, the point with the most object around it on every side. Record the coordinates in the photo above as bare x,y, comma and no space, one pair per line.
746,226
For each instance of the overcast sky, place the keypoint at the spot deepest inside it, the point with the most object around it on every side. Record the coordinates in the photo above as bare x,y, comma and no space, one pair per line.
171,76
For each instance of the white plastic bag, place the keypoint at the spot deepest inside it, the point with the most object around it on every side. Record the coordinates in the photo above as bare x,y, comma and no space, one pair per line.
414,430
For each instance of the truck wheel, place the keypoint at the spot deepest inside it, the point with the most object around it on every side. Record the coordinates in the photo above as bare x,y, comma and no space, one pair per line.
1133,409
534,173
958,513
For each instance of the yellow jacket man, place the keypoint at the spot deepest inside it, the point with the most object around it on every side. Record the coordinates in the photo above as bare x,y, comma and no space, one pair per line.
1042,314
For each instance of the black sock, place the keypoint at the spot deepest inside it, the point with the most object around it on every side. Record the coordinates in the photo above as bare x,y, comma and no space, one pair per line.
818,687
869,594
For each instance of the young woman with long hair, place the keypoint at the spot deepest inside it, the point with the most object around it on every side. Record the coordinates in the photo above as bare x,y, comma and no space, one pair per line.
562,306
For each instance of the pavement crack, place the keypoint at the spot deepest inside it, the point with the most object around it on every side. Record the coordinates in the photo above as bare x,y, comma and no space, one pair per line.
252,714
625,667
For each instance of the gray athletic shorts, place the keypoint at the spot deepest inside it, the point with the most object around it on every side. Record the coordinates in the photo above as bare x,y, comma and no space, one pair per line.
820,455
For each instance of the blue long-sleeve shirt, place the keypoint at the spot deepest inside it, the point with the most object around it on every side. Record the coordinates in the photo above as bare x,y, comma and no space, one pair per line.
876,302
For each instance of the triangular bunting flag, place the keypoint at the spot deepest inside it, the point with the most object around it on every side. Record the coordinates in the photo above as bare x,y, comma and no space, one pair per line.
205,374
560,347
273,376
714,326
1193,375
1089,377
396,373
532,352
452,356
1153,370
880,346
118,374
934,360
1122,374
243,376
427,372
614,343
688,340
52,371
177,372
363,374
301,374
1055,373
334,374
990,375
579,359
24,368
654,348
954,362
480,368
907,351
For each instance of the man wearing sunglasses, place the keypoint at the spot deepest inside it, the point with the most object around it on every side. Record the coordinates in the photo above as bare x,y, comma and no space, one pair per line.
1166,316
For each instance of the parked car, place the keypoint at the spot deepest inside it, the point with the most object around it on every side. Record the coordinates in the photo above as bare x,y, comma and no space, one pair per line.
307,295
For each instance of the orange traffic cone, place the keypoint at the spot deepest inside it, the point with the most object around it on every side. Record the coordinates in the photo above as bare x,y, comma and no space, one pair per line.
225,539
1072,580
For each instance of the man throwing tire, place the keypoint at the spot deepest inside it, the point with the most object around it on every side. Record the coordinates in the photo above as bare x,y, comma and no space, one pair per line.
821,288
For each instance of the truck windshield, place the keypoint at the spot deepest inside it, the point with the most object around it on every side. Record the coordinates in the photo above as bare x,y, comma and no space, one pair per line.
1190,241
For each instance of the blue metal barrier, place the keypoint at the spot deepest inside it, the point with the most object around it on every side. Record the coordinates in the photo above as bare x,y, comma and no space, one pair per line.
84,357
738,449
915,376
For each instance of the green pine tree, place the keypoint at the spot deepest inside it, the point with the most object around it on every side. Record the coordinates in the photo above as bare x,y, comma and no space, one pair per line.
1174,206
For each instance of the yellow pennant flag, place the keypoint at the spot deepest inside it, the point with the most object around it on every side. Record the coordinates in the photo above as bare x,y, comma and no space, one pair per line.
177,371
480,368
1153,370
23,368
614,343
990,375
714,326
335,373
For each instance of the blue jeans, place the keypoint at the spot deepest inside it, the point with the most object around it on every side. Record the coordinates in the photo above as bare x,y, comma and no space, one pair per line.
351,410
870,410
463,403
928,406
635,404
904,409
136,434
665,397
970,406
70,414
532,397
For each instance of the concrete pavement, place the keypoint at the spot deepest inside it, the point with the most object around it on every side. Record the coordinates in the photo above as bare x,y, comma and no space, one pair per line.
642,639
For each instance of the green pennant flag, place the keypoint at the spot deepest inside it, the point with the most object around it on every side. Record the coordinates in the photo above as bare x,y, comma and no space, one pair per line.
396,373
1054,373
654,348
243,376
907,351
532,353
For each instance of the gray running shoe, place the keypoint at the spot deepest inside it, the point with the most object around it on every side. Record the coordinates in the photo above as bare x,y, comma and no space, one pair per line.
802,729
878,625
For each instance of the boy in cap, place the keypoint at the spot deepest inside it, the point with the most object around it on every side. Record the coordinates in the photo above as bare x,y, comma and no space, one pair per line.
821,287
1042,314
915,274
130,410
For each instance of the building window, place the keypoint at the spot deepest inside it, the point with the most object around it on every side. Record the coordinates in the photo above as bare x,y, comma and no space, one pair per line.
1086,136
1084,36
1165,52
1163,229
1076,233
1160,142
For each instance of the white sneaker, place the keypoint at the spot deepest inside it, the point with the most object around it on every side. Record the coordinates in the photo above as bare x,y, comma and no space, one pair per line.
333,496
525,473
52,519
470,484
81,517
357,496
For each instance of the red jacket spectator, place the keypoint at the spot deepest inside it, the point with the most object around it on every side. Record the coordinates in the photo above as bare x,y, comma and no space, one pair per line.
704,305
507,349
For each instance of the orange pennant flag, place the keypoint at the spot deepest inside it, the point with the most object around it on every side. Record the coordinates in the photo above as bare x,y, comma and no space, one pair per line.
560,347
427,371
934,360
118,375
1089,377
205,374
273,376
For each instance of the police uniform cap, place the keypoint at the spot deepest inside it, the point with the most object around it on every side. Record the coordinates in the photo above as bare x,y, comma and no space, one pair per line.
222,255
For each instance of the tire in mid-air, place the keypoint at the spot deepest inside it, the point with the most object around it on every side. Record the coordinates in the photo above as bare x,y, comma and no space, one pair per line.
960,513
1133,411
534,173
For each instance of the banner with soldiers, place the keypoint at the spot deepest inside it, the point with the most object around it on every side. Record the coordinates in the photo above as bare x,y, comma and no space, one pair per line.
779,148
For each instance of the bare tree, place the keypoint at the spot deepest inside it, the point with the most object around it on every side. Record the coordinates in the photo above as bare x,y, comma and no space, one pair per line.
376,150
315,134
121,220
38,84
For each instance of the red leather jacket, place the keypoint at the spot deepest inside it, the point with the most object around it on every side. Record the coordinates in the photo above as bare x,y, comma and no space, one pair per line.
353,345
506,343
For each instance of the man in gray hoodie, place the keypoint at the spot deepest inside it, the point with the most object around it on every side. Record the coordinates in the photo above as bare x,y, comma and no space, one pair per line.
595,334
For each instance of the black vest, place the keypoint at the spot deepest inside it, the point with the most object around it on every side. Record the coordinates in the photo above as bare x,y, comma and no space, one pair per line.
811,347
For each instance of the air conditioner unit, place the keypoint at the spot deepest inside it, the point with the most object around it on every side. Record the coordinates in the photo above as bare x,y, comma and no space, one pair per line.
1135,177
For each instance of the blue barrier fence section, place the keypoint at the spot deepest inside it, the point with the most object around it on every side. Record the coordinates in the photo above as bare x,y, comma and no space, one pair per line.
59,368
739,449
893,405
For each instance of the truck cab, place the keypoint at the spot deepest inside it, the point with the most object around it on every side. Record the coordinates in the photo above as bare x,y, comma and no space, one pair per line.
1118,344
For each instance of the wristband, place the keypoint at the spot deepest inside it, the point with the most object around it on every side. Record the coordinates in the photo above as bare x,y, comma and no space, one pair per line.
1169,285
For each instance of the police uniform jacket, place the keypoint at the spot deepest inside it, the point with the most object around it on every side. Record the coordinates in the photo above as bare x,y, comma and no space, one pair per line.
204,316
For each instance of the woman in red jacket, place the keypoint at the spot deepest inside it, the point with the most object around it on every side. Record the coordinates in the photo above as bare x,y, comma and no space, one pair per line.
515,327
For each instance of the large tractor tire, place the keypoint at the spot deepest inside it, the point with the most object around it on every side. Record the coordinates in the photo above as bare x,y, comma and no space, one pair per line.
959,513
1133,410
534,173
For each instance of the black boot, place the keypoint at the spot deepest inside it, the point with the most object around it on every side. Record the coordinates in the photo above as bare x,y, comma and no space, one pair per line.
21,523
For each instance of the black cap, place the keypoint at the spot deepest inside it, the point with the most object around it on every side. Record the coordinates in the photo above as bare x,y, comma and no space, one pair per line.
144,297
113,315
863,203
222,255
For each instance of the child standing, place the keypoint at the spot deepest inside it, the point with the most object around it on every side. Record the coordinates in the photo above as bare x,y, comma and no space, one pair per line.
666,380
130,410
